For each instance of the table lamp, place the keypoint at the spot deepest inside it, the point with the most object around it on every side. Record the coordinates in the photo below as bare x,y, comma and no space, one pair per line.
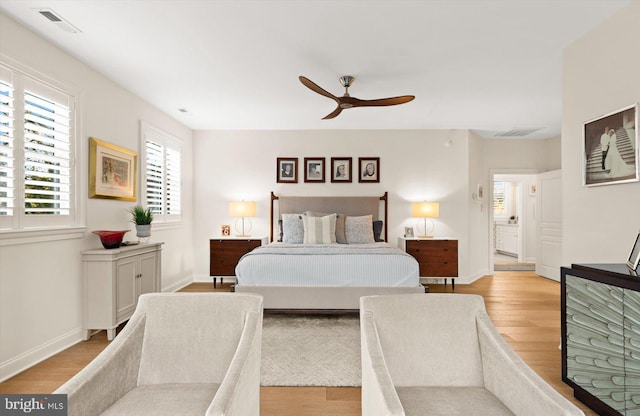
242,209
426,210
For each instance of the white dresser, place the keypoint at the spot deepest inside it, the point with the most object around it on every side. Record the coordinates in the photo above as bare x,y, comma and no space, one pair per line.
507,238
112,282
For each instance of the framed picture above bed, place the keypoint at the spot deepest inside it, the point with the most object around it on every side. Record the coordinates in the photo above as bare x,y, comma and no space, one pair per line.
610,148
287,170
314,169
369,169
340,169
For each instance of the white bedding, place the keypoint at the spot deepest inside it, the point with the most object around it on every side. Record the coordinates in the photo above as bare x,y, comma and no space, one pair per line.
359,265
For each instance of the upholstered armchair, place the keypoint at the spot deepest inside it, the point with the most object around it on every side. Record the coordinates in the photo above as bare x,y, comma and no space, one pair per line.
440,354
179,354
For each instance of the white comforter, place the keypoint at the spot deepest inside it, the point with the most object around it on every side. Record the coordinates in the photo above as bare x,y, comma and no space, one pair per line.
280,264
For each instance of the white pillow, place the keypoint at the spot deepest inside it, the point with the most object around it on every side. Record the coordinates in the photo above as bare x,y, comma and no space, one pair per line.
359,230
292,229
319,230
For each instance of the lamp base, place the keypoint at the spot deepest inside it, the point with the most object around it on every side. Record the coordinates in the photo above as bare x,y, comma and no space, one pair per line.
425,236
243,235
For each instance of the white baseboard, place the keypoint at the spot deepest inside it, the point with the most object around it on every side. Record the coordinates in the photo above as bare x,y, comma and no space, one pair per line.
178,285
30,358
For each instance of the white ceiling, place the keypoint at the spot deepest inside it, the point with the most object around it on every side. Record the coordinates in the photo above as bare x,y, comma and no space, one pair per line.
487,65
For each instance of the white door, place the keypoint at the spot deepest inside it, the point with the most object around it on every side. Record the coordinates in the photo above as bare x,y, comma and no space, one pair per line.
549,215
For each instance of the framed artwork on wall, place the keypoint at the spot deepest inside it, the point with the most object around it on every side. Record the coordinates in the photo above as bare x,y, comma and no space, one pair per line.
340,169
112,171
287,170
634,257
369,169
610,148
314,169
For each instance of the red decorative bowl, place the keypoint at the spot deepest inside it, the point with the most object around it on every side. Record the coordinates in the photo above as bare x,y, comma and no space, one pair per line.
110,239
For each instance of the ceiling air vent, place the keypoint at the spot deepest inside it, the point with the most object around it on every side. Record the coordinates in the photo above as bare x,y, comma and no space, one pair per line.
49,15
59,21
517,132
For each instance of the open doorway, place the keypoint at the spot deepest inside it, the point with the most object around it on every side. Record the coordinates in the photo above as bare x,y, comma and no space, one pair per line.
513,228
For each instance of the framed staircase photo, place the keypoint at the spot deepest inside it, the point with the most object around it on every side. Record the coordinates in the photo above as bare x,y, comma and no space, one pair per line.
611,148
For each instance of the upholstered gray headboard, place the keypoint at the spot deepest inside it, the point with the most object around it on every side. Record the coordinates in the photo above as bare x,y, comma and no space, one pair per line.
348,205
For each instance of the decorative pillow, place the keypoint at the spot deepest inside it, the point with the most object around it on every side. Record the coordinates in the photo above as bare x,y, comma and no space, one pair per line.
341,238
280,232
359,230
292,229
377,230
319,230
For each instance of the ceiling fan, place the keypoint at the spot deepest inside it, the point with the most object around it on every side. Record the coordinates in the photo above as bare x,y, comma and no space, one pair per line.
346,101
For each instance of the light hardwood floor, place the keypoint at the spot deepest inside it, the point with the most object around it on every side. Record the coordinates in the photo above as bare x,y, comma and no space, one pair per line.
524,307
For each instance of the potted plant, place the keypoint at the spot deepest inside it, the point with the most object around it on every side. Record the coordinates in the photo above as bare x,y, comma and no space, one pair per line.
142,218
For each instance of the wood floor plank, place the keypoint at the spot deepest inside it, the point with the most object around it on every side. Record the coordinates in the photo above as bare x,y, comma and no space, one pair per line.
524,306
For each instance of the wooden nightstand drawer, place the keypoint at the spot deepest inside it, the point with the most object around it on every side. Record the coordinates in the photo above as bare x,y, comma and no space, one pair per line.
436,257
225,253
438,269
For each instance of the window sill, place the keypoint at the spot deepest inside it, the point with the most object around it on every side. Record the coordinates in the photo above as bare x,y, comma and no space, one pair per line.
166,225
14,237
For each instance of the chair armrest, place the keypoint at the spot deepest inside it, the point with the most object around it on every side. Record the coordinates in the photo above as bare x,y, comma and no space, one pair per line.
239,392
379,396
110,375
512,381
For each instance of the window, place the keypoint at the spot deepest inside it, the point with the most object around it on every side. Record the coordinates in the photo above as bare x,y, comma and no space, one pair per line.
37,145
162,182
499,195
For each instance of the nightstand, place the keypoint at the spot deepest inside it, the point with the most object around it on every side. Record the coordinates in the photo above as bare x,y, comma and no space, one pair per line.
225,252
437,257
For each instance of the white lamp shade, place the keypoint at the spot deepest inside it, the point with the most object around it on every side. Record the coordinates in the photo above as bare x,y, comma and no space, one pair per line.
425,209
242,209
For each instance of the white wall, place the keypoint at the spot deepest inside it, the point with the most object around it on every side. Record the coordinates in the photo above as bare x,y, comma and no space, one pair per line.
517,156
601,75
479,208
414,166
40,293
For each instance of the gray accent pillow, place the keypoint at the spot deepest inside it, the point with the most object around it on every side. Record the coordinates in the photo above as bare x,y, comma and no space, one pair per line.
292,229
341,237
319,230
359,230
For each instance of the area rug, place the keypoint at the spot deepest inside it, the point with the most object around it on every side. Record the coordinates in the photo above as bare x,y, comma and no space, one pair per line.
310,350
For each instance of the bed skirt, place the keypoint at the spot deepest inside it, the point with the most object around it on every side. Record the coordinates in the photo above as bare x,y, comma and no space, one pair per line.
313,298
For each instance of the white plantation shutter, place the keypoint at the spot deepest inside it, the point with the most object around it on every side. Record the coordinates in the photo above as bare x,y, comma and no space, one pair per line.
37,136
163,174
174,180
7,145
154,172
499,195
47,167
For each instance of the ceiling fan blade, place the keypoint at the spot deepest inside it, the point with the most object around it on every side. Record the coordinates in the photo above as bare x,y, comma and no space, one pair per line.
383,101
313,87
335,112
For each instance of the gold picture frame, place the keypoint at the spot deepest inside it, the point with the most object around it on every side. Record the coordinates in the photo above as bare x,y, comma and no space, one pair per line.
113,171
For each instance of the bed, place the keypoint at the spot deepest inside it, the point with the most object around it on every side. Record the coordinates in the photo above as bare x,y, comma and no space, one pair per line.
325,253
